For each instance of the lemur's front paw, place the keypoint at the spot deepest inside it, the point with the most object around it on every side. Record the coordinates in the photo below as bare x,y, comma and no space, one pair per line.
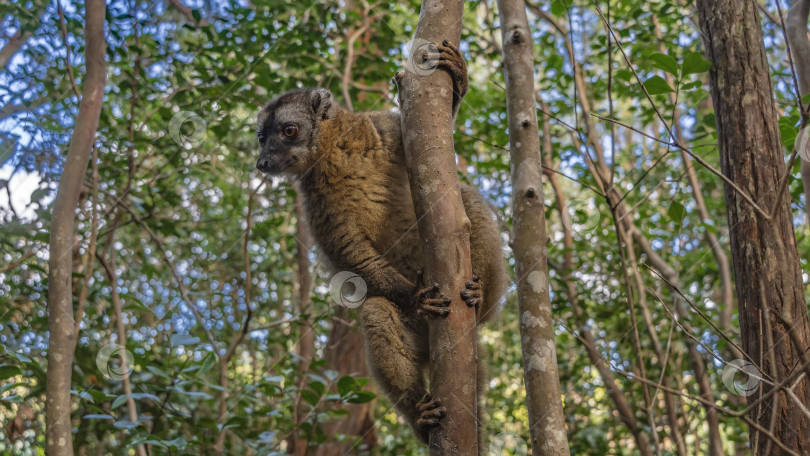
473,294
426,306
450,59
430,412
397,79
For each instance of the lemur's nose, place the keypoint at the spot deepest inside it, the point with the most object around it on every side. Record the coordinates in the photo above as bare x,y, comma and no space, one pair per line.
263,164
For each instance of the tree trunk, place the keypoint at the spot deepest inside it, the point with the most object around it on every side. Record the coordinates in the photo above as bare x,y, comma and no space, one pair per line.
345,354
773,313
796,28
543,397
306,343
427,131
120,330
58,440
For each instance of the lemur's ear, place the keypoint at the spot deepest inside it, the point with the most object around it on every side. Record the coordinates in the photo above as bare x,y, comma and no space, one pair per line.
322,103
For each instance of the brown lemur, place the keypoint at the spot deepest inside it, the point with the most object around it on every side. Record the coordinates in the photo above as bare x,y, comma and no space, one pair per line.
354,182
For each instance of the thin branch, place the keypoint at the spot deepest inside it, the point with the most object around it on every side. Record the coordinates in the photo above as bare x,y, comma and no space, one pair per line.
13,45
68,66
697,309
188,13
179,280
11,266
90,259
698,159
633,69
122,341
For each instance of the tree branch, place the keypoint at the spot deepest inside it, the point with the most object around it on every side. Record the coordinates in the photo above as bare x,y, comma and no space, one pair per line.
187,12
126,385
59,439
13,45
543,396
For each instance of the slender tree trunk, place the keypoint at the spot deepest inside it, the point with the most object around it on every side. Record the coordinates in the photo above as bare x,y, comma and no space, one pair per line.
773,313
720,257
543,397
623,408
306,343
796,27
58,439
345,354
427,131
120,331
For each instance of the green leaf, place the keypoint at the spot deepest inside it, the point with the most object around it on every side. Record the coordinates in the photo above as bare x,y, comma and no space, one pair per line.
118,401
361,397
692,85
665,63
208,363
201,394
10,386
7,371
183,339
788,132
141,396
317,378
708,120
158,371
656,85
623,74
339,412
676,212
695,63
309,396
99,396
318,387
125,424
331,374
346,385
98,417
558,8
20,357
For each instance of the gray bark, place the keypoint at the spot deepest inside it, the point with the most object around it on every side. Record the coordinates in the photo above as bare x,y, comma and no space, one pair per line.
427,132
774,324
543,397
58,439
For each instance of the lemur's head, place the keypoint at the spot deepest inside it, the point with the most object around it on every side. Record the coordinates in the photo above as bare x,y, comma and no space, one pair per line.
287,130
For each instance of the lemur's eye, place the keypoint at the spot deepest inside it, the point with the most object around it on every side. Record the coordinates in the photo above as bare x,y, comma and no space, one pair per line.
260,137
290,130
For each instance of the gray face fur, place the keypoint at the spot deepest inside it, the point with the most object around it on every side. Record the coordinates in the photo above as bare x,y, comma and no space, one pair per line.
287,130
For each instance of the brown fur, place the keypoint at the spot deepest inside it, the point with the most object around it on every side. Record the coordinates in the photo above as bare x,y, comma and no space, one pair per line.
361,212
354,181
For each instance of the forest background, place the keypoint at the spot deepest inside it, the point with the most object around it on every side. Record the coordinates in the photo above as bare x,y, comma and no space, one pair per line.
187,262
